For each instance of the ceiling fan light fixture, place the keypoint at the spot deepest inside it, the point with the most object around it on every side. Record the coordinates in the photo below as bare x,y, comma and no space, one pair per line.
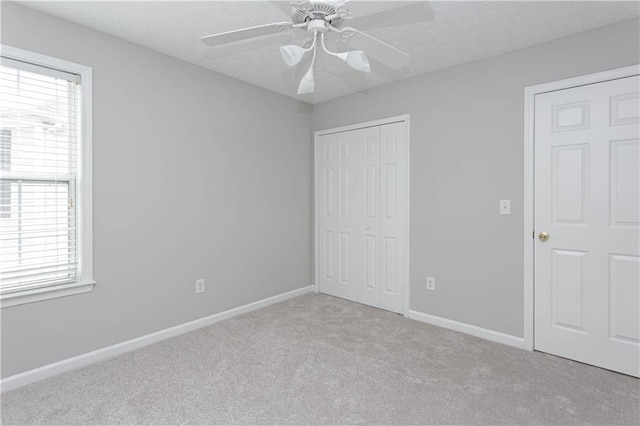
292,54
358,60
307,83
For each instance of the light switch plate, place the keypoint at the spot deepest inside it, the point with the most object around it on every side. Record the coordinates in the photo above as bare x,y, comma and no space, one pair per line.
505,206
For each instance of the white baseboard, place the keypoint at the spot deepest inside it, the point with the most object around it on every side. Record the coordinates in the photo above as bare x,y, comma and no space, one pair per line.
46,371
484,333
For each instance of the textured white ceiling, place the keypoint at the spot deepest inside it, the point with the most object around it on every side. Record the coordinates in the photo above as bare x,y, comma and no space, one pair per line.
436,34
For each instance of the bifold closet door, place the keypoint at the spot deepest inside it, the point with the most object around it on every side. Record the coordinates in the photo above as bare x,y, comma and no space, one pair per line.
361,180
381,202
393,205
369,220
338,161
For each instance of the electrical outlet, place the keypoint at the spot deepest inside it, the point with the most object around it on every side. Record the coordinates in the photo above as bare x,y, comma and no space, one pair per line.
505,206
200,286
431,283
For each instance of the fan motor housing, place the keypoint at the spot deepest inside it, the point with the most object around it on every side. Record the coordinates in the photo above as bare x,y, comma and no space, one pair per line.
317,26
320,9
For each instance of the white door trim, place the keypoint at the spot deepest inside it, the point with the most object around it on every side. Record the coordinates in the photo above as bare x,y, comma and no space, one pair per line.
529,117
390,120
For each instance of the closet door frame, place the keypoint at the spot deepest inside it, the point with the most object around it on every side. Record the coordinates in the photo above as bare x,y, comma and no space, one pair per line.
404,118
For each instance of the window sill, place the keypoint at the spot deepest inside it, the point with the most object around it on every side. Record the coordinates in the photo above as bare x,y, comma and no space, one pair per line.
45,293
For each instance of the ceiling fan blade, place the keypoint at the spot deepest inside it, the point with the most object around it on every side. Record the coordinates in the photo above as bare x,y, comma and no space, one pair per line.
404,15
375,48
282,5
304,5
361,8
245,33
291,8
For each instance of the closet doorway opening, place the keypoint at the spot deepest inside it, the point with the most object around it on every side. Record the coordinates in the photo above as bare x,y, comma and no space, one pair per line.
361,186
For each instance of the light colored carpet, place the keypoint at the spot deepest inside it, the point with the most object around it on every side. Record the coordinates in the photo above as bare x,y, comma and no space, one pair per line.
318,359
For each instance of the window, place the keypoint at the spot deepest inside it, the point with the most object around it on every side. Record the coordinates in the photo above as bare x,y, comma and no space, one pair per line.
5,166
45,186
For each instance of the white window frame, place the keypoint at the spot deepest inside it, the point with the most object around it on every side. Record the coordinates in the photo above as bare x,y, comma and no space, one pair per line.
85,282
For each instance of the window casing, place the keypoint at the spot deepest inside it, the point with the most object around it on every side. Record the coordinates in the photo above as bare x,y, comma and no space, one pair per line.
45,171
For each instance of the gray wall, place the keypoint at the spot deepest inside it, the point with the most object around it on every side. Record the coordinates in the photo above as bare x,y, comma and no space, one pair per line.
200,175
466,155
196,175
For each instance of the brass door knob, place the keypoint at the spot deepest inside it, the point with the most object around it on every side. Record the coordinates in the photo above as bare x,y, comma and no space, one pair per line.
543,236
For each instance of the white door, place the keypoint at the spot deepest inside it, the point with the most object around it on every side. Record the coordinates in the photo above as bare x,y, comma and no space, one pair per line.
361,187
337,168
587,200
393,204
369,219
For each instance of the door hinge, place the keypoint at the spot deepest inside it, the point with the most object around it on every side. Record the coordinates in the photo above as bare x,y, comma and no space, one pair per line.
71,203
533,234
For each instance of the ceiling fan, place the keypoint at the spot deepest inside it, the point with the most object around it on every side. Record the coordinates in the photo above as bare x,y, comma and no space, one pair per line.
320,19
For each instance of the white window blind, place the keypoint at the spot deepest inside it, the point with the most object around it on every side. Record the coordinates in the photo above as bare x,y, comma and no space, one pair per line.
39,171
